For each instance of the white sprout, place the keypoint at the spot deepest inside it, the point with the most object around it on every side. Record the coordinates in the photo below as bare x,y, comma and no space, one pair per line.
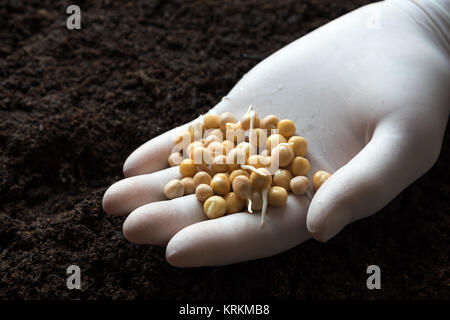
264,206
249,167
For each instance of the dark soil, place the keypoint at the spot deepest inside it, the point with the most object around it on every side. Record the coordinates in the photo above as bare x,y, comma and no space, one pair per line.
74,104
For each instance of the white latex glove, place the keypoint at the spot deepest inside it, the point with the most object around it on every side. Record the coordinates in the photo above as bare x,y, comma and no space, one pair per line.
370,93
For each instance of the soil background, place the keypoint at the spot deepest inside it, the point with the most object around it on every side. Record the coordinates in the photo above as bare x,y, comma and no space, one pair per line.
74,104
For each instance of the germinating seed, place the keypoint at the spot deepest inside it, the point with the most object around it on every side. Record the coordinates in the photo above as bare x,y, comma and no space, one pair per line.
245,121
261,181
243,188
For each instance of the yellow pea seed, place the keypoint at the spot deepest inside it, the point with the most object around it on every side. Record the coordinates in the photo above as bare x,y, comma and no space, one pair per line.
234,132
245,121
175,159
202,157
270,122
282,154
220,184
215,207
190,148
234,203
201,177
235,158
188,168
300,166
197,129
173,189
228,145
299,185
203,192
282,178
216,148
260,181
258,161
183,139
258,138
298,145
211,138
277,196
238,172
188,185
274,140
247,148
242,186
215,132
226,117
319,178
208,170
286,128
211,121
219,164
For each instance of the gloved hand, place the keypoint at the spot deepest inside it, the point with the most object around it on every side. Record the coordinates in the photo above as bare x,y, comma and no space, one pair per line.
370,93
